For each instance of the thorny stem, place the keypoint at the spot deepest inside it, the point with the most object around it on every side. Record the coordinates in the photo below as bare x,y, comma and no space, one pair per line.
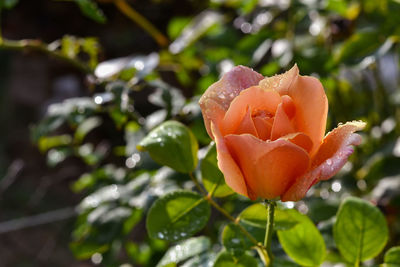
39,46
270,204
133,15
208,197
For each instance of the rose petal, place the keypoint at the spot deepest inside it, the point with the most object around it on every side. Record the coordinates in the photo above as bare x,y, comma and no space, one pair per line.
213,113
282,124
254,97
247,125
281,82
263,127
233,175
300,188
265,164
311,104
300,139
288,106
330,158
336,148
224,91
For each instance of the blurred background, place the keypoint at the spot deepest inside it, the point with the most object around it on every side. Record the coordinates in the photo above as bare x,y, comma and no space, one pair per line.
82,81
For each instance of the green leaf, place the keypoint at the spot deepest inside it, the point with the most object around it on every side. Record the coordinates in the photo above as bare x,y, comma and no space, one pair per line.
225,259
279,262
90,9
177,215
84,250
85,127
253,219
184,250
57,155
176,25
256,215
91,46
48,142
392,257
8,4
172,144
360,231
70,46
358,46
303,242
213,179
206,259
234,240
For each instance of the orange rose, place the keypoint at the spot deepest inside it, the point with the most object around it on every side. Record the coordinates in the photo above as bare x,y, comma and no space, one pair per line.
269,133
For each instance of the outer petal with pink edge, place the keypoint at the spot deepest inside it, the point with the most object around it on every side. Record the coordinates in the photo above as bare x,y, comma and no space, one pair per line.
218,97
330,158
268,167
232,173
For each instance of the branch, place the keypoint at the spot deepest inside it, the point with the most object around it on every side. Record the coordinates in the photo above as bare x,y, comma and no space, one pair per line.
36,220
133,15
39,46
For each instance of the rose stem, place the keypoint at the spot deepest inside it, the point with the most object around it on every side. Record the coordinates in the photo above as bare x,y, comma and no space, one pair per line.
270,204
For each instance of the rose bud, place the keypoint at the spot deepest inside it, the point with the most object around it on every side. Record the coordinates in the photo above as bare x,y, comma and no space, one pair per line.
269,133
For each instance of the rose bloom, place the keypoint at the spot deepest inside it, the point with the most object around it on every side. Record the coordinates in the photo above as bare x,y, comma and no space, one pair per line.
269,133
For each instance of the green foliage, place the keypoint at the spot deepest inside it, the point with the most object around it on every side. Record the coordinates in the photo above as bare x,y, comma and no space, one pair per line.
177,215
184,250
256,215
360,230
392,257
225,259
212,177
139,133
8,4
90,9
234,240
303,242
172,144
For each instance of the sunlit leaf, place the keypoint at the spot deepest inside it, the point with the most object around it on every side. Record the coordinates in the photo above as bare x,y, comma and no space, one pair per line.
303,242
47,142
195,29
58,155
360,231
70,46
206,259
184,250
256,215
85,127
